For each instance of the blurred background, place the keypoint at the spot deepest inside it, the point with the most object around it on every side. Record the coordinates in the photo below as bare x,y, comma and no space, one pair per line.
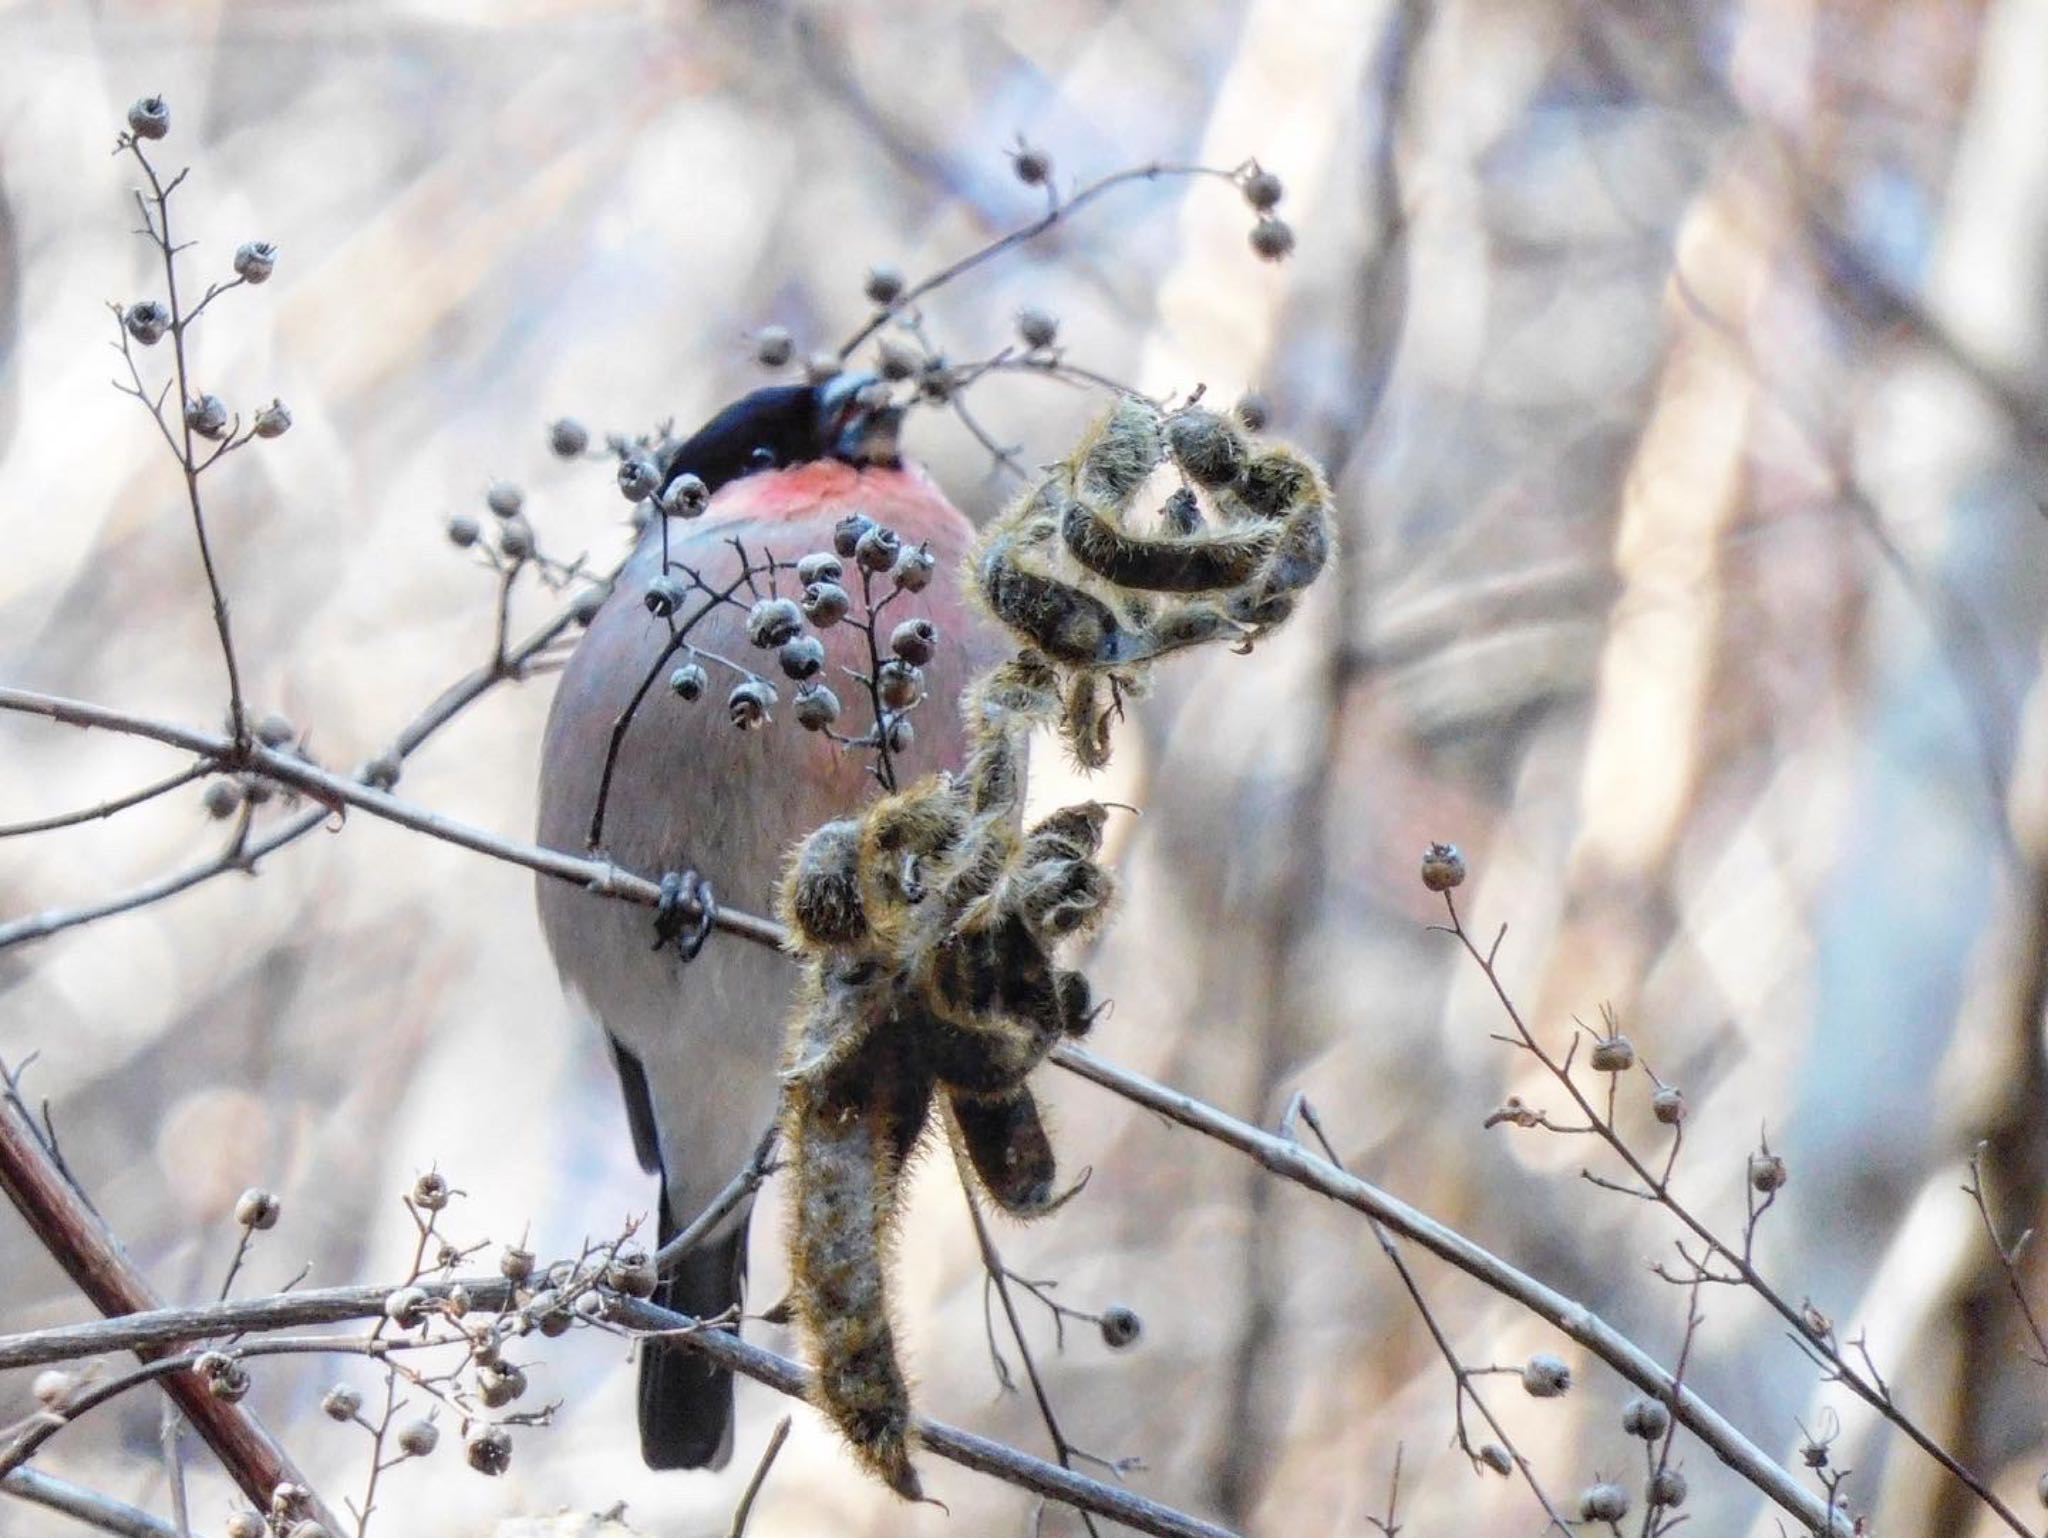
1681,373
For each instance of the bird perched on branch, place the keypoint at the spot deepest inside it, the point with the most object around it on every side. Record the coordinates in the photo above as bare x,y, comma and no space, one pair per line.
725,791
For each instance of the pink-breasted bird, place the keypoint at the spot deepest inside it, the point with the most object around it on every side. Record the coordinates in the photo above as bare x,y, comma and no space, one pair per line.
697,1042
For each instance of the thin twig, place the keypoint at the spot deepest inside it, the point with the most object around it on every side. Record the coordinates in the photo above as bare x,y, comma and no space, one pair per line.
745,1509
148,792
87,1506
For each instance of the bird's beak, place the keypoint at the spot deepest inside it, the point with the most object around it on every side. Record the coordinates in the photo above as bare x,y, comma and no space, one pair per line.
861,423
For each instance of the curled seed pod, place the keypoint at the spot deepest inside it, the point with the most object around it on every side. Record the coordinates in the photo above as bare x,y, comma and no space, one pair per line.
430,1192
1120,1327
822,366
1613,1054
801,657
256,1207
1668,1105
773,346
1443,867
341,1403
406,1306
898,683
820,566
1668,1488
463,531
1645,1418
688,682
1768,1172
749,703
631,1272
584,606
884,285
53,1388
914,570
664,596
149,118
418,1438
772,621
1182,513
272,421
877,548
515,1263
207,416
686,496
1273,239
147,320
825,604
1206,445
567,438
255,261
223,799
639,478
1604,1503
1262,189
915,641
489,1451
896,360
1545,1376
515,539
1497,1458
1037,329
499,1384
847,532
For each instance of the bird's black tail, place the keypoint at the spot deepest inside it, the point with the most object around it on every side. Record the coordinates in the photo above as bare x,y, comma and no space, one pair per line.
685,1402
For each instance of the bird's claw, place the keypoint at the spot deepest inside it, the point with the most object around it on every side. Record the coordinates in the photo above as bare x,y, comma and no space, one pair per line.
685,913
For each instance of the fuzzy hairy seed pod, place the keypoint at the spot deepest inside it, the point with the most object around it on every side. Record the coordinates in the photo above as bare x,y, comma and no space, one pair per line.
1084,722
1198,563
149,118
847,1146
1545,1376
1604,1503
1253,410
255,261
1206,445
567,438
821,896
147,320
771,621
688,682
1181,513
1119,452
257,1208
1007,1147
1066,624
490,1451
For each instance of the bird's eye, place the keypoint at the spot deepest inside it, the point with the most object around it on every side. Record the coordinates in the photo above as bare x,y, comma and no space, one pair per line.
763,458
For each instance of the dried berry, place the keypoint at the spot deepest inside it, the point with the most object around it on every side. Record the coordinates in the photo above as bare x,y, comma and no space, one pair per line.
255,261
1032,166
150,118
1545,1376
914,569
499,1384
773,346
639,478
272,421
567,438
1120,1327
1604,1503
689,682
1262,189
1613,1054
820,566
223,799
801,658
418,1438
815,707
1768,1172
898,683
490,1451
430,1192
256,1207
847,532
463,531
825,604
505,498
1037,328
915,641
515,539
1645,1418
631,1272
821,366
406,1306
147,320
877,548
749,704
664,596
1442,867
897,360
1273,239
772,621
884,285
1668,1105
207,416
1668,1488
686,496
